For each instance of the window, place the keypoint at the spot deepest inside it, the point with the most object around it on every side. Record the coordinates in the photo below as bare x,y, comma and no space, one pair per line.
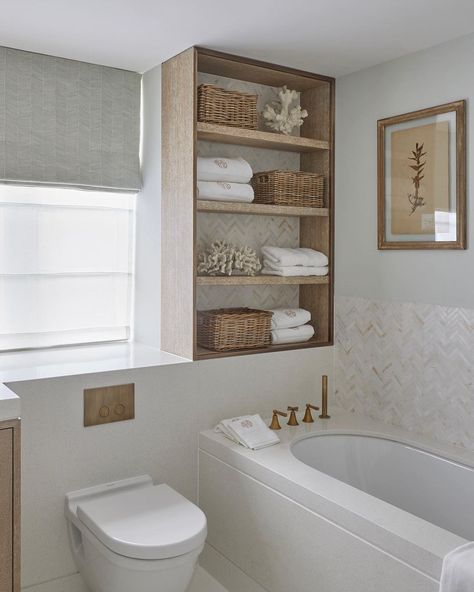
66,262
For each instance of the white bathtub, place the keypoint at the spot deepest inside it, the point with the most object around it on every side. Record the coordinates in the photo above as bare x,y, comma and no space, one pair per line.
341,505
422,483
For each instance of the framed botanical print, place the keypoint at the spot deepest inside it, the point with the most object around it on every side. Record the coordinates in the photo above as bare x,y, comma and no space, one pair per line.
422,179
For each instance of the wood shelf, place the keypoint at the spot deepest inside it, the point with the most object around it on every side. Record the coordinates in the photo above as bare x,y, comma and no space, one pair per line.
223,207
207,354
255,280
187,222
258,139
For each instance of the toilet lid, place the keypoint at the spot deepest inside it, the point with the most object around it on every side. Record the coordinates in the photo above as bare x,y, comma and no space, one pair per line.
147,523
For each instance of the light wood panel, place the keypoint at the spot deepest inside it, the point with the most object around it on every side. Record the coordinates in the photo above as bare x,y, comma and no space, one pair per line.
268,280
220,207
241,68
206,354
10,506
178,215
258,139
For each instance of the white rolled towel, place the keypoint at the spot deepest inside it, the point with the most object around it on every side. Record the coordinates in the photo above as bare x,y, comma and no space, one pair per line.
214,168
284,318
269,269
286,257
223,191
292,334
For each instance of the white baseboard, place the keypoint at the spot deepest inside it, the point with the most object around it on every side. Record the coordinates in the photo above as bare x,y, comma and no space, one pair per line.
227,573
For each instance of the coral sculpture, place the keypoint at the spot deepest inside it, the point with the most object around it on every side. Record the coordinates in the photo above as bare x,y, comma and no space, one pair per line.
278,115
222,258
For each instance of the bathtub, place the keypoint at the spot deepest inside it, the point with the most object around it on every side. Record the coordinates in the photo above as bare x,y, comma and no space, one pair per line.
342,505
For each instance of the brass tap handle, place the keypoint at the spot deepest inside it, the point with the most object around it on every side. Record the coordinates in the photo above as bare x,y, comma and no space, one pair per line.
292,421
308,418
324,397
275,425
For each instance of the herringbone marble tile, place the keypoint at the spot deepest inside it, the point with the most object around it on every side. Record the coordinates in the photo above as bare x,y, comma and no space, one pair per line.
408,364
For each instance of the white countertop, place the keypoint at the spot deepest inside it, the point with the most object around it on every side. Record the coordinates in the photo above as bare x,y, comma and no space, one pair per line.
388,527
9,404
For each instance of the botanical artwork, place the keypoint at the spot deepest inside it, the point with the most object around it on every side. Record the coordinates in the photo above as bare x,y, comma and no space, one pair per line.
420,178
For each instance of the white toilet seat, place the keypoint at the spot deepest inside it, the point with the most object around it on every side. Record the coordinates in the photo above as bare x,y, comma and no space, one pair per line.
132,535
148,523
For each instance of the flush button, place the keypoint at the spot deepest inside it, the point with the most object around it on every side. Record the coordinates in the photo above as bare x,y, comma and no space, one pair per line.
119,409
108,404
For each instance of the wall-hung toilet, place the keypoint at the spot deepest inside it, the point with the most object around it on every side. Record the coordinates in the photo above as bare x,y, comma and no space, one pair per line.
133,536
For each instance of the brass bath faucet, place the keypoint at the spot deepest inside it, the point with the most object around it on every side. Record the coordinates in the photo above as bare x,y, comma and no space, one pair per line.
308,418
292,421
324,397
275,424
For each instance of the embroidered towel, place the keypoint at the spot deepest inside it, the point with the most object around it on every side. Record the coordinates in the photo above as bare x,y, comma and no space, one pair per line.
214,168
287,257
284,318
292,271
292,335
249,431
223,191
457,574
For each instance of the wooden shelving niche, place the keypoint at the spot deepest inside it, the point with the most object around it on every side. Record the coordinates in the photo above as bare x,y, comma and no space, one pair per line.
185,219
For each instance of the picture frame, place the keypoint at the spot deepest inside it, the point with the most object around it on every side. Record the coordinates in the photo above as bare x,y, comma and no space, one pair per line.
421,179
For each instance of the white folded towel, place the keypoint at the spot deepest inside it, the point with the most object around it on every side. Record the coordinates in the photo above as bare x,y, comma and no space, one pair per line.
292,335
287,257
214,168
457,574
292,271
249,431
223,191
284,318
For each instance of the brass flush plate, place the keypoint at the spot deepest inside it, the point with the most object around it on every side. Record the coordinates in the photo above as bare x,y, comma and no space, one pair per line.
108,404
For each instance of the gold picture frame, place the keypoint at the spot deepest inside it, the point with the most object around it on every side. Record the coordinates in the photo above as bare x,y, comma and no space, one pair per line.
421,179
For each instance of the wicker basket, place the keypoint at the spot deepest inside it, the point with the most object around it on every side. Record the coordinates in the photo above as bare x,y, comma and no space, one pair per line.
226,329
226,107
289,188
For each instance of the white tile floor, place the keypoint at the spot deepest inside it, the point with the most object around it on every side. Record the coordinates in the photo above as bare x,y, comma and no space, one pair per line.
202,582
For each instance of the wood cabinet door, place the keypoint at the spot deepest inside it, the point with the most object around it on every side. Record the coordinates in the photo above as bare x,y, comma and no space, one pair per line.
6,510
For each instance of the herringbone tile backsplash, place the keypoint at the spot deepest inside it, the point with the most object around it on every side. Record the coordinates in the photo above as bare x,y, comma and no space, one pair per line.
407,364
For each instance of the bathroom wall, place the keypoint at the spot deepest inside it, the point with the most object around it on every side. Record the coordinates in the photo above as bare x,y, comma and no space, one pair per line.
172,403
404,320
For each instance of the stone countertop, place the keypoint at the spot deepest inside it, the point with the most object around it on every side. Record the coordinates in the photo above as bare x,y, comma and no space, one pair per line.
9,404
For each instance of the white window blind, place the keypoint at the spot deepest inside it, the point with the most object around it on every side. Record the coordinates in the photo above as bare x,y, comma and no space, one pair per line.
66,262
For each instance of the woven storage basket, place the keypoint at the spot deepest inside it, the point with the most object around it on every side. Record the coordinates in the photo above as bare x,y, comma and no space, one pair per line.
289,188
226,107
233,328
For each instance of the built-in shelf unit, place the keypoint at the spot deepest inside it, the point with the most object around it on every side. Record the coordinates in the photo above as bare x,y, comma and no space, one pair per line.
183,214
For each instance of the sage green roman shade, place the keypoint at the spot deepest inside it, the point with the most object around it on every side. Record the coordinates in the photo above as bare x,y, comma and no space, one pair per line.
68,123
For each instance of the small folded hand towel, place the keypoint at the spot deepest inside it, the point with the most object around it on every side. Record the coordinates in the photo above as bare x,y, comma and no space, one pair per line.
284,318
292,335
249,431
286,257
233,170
223,191
457,574
292,271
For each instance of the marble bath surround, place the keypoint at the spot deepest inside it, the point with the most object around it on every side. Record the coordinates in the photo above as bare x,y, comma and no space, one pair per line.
261,505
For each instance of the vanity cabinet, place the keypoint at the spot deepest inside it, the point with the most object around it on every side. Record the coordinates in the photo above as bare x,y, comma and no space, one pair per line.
10,506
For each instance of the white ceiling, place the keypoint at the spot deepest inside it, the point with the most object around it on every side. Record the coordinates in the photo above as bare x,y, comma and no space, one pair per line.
326,36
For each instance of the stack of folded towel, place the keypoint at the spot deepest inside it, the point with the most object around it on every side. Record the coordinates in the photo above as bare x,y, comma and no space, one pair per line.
293,262
224,179
289,325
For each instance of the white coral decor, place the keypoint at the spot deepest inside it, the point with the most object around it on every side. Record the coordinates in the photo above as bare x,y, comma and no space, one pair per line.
222,258
280,117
